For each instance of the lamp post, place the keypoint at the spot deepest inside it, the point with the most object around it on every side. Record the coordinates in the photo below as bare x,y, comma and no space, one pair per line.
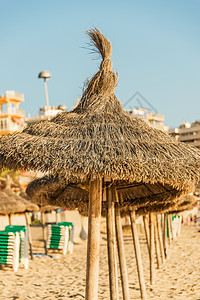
45,75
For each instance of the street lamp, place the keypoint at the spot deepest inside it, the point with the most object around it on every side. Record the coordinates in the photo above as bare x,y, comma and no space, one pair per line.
45,75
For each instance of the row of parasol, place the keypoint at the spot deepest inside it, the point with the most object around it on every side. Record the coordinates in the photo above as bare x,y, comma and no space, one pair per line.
103,162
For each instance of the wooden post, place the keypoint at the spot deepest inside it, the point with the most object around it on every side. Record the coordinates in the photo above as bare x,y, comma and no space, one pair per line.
169,229
111,243
29,235
9,219
121,253
93,243
170,226
56,216
43,231
157,245
160,239
146,232
138,255
152,252
162,224
165,236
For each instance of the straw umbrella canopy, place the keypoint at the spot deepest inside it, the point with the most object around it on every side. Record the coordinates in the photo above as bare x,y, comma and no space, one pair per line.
9,205
99,140
29,206
54,190
168,207
186,203
41,207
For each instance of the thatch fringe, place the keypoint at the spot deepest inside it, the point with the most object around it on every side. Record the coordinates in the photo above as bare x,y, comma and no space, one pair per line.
140,197
176,205
9,205
186,203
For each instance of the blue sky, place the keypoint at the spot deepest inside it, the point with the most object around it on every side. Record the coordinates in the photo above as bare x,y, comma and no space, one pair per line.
156,51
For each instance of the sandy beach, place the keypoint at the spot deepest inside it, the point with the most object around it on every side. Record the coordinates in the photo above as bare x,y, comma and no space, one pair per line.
63,277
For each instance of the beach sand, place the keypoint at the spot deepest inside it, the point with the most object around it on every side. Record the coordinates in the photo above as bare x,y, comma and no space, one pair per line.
63,277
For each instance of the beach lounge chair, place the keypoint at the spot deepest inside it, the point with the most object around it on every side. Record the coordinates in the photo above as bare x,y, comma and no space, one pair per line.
9,248
70,226
23,248
176,225
60,236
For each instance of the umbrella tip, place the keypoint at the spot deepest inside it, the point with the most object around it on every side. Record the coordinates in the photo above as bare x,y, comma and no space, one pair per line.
100,44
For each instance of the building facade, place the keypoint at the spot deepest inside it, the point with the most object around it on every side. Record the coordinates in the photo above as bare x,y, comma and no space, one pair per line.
11,117
46,113
187,133
153,119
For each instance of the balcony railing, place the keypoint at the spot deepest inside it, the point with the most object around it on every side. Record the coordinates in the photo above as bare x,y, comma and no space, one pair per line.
14,95
13,111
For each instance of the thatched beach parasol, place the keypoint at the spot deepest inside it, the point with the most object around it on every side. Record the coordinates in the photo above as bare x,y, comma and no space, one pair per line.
42,207
186,203
98,144
55,191
165,207
29,205
9,205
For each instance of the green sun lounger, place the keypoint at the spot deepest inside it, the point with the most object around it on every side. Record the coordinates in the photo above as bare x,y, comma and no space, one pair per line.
60,236
23,246
9,248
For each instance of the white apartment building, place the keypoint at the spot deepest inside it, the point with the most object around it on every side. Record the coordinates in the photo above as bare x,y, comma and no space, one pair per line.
187,133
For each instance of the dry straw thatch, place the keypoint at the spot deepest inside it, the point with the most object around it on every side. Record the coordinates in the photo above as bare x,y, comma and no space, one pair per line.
9,205
98,138
165,207
29,206
55,191
186,203
41,207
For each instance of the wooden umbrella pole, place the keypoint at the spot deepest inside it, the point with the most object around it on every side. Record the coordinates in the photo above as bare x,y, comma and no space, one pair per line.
160,239
111,243
56,216
43,232
146,232
9,219
169,229
29,235
138,255
170,226
93,243
121,253
157,250
162,224
165,236
152,252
